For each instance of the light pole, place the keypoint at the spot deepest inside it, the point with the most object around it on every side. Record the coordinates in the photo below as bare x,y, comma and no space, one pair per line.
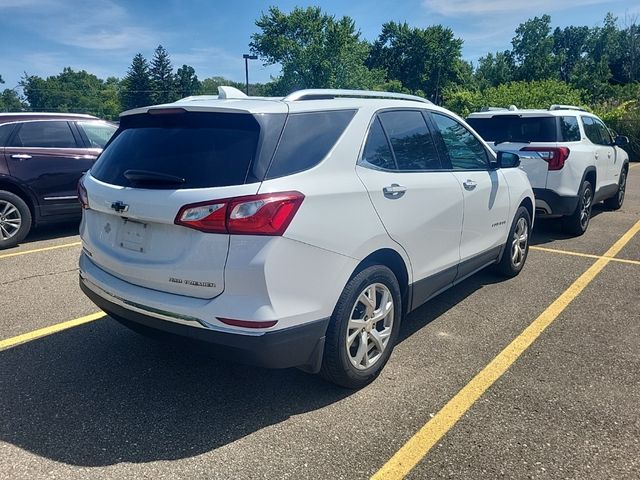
247,57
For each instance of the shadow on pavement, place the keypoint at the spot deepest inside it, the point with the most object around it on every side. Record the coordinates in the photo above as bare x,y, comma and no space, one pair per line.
548,230
99,394
51,232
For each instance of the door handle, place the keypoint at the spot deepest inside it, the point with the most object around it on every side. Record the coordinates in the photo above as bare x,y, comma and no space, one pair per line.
596,154
394,191
469,185
21,156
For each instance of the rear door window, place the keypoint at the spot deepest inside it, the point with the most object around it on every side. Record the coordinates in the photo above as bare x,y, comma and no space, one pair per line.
307,139
569,129
465,151
5,132
204,149
97,133
377,152
45,134
411,140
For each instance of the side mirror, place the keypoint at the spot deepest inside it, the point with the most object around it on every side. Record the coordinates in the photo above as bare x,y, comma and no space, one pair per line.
508,160
621,141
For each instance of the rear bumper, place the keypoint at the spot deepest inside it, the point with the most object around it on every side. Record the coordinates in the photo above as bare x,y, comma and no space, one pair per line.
550,203
298,346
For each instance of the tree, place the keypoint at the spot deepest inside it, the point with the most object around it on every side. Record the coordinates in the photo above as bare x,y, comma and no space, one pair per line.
495,69
186,81
315,50
70,91
536,94
136,85
532,49
209,86
162,78
10,101
423,60
570,46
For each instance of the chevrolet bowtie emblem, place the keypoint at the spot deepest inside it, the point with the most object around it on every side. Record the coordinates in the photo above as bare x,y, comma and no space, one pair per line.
120,207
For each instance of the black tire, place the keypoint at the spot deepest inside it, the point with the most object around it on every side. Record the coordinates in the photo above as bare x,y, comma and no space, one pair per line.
516,250
615,202
337,366
12,210
578,222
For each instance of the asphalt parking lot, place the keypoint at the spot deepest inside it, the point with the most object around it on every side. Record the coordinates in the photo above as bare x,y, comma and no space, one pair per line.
562,401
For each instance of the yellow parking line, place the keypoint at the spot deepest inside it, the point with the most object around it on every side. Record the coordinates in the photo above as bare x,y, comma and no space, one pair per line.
43,332
419,445
36,250
587,255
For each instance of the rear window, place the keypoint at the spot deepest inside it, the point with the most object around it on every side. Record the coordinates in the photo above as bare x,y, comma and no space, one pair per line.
206,149
307,138
569,128
514,128
98,133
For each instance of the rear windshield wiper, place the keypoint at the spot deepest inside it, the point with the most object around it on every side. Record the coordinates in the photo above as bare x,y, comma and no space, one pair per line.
145,177
498,142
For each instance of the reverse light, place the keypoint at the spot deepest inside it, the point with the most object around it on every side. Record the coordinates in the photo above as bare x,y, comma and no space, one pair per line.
83,197
554,156
264,214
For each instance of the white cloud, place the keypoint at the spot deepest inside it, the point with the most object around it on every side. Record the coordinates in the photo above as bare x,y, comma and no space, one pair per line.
452,8
97,25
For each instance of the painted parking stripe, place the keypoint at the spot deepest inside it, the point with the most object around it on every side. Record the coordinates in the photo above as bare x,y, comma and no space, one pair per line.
586,255
36,250
43,332
415,449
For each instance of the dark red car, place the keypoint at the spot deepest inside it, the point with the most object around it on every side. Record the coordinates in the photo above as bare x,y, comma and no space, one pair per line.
42,157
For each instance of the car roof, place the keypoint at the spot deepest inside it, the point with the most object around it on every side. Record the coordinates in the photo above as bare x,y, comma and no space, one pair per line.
531,113
301,101
29,116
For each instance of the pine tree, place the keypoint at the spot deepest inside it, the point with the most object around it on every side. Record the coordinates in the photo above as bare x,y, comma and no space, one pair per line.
162,79
186,81
136,86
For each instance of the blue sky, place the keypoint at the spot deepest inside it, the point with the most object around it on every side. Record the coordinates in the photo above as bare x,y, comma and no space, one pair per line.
42,36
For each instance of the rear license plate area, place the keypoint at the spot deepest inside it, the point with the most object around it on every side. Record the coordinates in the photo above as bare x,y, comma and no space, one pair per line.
133,236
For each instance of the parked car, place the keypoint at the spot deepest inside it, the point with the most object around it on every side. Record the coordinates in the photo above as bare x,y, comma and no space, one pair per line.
296,231
42,157
580,162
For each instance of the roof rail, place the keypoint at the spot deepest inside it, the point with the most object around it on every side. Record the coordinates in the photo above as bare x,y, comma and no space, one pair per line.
328,93
566,107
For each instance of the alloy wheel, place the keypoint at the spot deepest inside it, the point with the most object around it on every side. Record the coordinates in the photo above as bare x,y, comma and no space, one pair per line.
519,242
370,326
10,220
585,213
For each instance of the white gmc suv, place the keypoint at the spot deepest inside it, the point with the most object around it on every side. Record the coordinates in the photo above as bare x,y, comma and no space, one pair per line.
579,161
295,231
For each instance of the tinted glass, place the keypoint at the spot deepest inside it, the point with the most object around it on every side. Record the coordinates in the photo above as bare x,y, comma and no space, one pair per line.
513,128
44,134
5,131
206,149
377,151
464,149
410,140
98,133
307,139
593,131
605,134
569,129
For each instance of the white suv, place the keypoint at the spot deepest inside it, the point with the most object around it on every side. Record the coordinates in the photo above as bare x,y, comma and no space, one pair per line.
295,231
579,161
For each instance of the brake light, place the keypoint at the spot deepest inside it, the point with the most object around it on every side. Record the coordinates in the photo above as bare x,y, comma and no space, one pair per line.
248,324
554,156
264,214
83,197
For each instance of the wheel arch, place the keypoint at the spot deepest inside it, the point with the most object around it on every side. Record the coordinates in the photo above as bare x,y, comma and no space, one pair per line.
589,175
391,259
10,186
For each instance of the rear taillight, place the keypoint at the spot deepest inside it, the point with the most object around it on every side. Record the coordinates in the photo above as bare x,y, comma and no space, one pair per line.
554,156
83,198
264,214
